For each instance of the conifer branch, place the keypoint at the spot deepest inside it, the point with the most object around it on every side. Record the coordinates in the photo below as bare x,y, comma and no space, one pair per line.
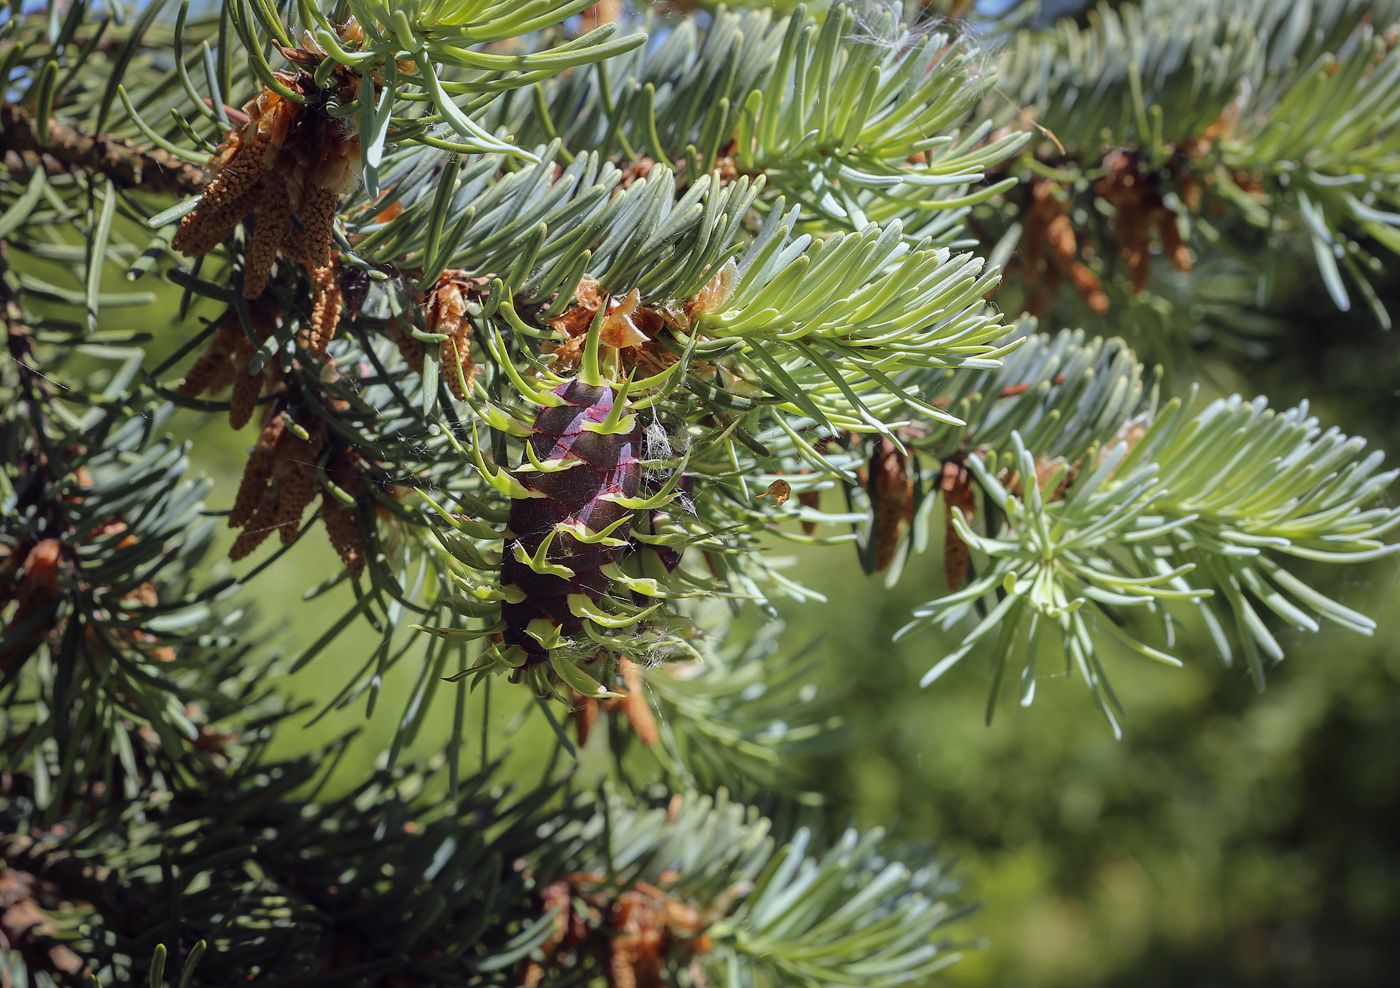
67,149
1174,509
702,884
1195,123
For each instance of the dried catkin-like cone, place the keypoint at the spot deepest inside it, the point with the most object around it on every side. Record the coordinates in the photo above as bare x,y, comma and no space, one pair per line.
1048,224
257,529
339,517
343,532
209,234
317,214
213,371
891,498
286,160
956,484
248,158
226,361
274,214
409,348
584,711
633,705
257,472
247,387
327,305
297,481
809,499
240,169
1177,252
1134,207
455,363
293,484
1065,247
1136,248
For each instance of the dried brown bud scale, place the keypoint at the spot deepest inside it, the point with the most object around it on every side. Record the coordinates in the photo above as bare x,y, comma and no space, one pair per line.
891,491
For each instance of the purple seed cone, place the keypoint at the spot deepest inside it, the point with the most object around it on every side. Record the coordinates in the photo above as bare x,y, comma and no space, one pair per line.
606,465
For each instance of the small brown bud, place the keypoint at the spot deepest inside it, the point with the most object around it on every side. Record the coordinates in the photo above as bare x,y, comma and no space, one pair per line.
956,484
635,705
813,500
891,498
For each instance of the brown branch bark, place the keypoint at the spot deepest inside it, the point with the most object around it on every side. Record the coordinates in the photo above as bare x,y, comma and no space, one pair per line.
67,149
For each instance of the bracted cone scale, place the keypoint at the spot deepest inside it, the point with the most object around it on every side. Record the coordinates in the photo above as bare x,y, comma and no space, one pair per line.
602,464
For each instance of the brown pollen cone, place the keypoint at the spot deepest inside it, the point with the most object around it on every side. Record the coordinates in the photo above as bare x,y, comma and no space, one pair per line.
339,517
584,712
257,472
225,361
326,307
274,214
288,165
1047,224
1138,212
213,371
891,491
813,500
956,484
280,480
409,348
